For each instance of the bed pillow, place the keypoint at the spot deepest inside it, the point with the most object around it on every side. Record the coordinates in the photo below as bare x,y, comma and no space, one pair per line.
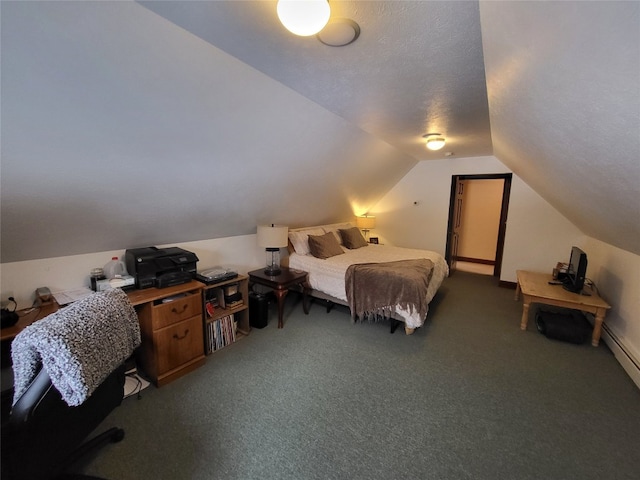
300,239
352,238
334,229
324,246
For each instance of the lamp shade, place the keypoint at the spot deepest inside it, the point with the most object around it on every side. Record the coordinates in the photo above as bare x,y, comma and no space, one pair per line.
272,236
304,17
366,222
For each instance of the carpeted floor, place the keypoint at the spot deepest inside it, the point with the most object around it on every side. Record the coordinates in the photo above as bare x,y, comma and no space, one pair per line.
468,396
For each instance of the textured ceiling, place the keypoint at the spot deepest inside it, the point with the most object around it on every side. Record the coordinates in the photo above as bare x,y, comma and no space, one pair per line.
564,95
561,76
130,124
121,129
416,68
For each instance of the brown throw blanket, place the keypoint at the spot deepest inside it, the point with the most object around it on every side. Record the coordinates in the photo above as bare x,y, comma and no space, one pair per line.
377,289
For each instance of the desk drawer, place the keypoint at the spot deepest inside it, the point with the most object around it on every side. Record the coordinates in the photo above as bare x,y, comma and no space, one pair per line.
179,344
166,314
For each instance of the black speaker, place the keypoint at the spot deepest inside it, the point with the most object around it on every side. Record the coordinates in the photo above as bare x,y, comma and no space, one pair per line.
258,310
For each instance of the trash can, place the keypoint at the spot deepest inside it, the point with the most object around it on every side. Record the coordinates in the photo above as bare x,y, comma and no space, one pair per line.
258,310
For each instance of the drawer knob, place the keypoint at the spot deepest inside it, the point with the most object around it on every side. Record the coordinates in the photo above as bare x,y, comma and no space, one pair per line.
184,307
178,337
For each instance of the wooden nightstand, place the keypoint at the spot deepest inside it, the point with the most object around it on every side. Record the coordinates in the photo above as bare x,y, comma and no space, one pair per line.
280,285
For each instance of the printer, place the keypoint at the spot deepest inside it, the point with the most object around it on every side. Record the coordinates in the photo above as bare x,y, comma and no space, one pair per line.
160,267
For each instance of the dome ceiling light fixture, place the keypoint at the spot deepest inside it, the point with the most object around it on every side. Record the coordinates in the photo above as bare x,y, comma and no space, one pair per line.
339,32
303,17
435,141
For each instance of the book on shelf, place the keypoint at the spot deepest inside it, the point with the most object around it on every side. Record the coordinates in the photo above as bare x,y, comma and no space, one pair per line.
220,297
210,307
220,333
235,304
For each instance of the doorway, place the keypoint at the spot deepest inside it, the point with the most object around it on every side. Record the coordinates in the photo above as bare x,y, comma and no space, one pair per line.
478,208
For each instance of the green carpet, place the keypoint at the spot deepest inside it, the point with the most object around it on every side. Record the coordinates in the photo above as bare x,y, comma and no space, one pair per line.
468,396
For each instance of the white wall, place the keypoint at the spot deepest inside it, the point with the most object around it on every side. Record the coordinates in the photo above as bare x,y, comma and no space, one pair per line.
20,279
616,273
537,236
415,214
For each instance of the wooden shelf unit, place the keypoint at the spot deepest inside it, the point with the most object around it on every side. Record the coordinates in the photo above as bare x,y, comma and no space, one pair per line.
240,312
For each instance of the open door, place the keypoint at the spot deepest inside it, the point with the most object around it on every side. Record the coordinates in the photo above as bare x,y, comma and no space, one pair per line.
456,206
506,193
455,218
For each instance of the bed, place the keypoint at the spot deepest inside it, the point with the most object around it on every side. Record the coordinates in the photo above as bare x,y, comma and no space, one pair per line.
327,275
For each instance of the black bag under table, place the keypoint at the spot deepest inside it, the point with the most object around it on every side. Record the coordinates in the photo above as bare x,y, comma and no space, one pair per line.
568,325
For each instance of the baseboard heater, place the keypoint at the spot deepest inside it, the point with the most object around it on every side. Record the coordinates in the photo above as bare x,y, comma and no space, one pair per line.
630,364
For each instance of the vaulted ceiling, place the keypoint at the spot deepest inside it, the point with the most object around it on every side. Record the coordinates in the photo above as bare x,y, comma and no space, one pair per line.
416,68
139,123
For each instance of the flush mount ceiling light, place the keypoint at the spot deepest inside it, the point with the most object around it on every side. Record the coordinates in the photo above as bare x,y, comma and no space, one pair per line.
434,141
339,32
304,17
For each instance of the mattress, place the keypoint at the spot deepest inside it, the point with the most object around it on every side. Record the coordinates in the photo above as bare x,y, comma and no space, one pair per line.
328,275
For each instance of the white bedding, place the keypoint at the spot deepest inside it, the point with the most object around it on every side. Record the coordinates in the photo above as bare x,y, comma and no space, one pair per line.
328,275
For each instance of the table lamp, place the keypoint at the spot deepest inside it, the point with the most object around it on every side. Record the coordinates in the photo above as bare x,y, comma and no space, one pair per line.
366,223
272,238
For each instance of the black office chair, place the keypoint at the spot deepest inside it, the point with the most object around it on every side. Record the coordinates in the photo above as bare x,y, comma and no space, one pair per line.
42,436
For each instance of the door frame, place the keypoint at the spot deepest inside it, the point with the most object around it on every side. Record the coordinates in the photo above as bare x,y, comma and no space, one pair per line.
504,210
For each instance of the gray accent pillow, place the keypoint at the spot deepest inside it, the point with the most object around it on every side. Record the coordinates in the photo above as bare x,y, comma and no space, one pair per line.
324,246
352,238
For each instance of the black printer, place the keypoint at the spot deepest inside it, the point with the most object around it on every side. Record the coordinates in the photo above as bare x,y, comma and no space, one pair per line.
160,267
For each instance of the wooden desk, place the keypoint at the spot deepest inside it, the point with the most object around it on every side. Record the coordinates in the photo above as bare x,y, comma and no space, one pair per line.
172,333
535,288
280,285
27,317
31,314
136,297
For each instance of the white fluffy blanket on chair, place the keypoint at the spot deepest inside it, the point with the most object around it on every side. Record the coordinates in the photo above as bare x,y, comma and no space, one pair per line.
79,345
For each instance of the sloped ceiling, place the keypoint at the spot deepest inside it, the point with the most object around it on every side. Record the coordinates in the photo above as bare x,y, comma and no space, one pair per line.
563,80
416,68
132,124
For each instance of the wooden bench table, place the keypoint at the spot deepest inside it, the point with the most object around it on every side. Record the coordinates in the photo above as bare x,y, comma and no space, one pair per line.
535,288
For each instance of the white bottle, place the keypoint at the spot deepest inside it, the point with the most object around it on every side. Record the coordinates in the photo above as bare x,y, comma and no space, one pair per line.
114,269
